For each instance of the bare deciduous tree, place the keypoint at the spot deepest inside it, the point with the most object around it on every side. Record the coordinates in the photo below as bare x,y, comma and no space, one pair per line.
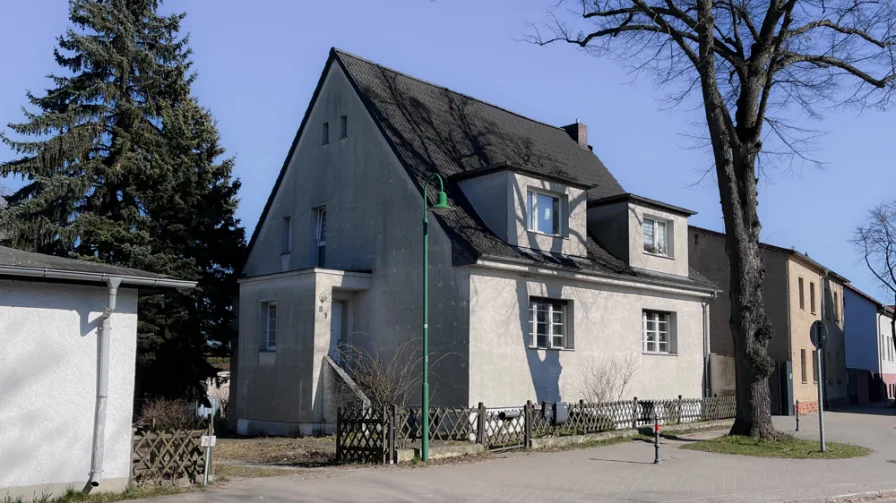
745,58
876,241
606,379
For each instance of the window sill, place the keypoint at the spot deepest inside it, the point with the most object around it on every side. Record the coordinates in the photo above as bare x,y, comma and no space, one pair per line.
648,353
559,236
658,255
267,350
551,349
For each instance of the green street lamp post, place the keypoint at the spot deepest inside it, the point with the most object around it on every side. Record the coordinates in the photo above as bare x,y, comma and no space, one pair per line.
440,208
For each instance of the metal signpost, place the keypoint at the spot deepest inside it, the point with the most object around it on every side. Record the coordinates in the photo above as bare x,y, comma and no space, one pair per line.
819,335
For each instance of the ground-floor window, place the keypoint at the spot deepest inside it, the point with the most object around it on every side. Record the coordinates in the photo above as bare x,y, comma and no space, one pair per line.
548,323
803,371
657,332
269,326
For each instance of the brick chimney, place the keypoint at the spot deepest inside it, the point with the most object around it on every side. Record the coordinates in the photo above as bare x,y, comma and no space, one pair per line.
579,133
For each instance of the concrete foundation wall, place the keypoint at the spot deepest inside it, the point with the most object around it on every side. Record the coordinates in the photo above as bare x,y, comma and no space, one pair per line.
606,326
48,378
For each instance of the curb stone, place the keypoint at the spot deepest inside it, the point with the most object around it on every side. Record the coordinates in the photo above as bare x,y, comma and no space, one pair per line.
852,498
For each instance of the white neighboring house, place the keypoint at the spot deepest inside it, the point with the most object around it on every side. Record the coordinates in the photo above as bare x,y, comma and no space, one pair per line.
68,341
545,269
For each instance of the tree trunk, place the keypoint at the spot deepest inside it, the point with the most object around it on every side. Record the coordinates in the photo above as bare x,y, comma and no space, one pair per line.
750,326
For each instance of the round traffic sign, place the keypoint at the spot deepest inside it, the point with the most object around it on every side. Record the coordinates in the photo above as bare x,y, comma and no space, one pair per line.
818,333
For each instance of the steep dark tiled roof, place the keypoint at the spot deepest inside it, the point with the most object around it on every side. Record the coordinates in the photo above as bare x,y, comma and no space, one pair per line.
436,129
432,129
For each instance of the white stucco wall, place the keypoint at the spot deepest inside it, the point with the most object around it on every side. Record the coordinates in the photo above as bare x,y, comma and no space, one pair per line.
504,370
374,224
885,341
677,261
48,370
573,217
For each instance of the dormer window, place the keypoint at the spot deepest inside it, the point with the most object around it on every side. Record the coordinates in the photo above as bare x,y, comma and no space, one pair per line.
543,213
656,237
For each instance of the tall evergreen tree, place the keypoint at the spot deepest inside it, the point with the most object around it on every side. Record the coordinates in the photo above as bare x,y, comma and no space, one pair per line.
124,168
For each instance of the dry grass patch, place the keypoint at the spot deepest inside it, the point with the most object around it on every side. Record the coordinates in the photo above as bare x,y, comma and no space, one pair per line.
306,452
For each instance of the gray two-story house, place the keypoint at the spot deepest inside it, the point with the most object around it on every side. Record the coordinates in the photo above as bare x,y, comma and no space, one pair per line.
545,270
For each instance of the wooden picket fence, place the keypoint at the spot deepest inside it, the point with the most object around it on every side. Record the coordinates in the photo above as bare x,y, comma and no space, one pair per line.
167,456
368,435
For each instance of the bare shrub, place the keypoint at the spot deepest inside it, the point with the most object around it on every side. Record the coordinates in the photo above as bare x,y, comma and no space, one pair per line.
160,414
387,376
606,379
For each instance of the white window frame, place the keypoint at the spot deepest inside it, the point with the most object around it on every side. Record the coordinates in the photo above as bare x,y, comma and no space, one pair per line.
552,307
655,223
649,337
532,211
320,235
268,343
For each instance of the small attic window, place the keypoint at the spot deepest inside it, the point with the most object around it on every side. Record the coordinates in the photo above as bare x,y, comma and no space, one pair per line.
325,133
543,213
343,126
656,237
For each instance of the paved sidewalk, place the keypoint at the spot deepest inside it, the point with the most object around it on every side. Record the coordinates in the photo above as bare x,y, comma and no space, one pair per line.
616,473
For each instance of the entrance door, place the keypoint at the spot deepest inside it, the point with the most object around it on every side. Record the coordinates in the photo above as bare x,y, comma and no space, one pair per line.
337,329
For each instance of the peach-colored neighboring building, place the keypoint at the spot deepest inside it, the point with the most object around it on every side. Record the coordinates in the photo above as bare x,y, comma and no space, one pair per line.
797,292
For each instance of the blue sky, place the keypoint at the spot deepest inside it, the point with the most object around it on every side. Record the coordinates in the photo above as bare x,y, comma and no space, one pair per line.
258,63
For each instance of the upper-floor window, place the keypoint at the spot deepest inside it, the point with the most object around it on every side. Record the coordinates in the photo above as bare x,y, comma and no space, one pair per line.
325,133
657,332
812,296
836,307
656,236
286,235
269,326
547,323
320,235
543,212
802,300
343,126
828,308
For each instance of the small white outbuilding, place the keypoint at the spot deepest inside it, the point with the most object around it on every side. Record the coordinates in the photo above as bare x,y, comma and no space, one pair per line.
68,341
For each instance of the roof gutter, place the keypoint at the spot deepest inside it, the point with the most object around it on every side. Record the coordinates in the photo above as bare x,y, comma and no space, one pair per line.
97,277
595,277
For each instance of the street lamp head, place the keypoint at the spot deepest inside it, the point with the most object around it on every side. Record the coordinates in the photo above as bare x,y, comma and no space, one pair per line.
441,207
